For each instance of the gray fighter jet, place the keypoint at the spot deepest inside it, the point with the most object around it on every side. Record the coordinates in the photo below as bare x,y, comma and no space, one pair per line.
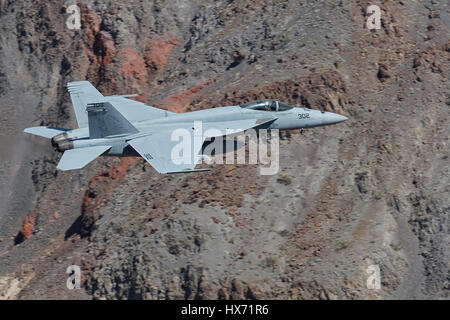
117,126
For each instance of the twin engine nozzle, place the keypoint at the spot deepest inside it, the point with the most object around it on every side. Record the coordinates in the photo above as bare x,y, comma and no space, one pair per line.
62,142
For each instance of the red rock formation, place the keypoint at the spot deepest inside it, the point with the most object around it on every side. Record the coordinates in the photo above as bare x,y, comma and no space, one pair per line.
27,228
157,53
99,50
104,47
139,71
180,101
91,21
133,69
90,29
100,188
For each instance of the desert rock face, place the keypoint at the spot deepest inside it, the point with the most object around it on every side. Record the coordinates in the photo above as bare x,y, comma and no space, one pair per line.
370,191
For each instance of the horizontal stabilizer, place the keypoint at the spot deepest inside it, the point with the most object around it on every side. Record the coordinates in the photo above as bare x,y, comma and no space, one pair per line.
46,132
78,158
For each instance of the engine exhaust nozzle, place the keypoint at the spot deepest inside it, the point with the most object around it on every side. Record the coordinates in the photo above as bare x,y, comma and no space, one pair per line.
65,145
59,139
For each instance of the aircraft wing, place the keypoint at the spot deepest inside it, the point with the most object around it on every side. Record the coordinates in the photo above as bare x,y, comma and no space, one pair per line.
135,111
163,155
169,152
233,127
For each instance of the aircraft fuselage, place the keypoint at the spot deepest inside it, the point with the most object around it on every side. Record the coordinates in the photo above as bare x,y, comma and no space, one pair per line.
295,118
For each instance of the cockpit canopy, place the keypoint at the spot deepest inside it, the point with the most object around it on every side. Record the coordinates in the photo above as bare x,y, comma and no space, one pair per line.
266,105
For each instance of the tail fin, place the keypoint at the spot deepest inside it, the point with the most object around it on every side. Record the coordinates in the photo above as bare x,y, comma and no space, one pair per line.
82,93
105,120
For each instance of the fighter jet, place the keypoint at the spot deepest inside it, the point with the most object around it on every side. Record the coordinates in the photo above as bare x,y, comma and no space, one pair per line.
119,126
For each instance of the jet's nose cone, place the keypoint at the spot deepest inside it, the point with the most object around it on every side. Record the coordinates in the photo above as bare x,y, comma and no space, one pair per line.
332,118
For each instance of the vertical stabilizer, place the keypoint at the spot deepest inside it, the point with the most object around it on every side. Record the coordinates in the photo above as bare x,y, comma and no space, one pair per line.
105,120
82,93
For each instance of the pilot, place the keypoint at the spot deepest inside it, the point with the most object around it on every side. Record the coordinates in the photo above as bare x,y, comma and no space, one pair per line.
273,106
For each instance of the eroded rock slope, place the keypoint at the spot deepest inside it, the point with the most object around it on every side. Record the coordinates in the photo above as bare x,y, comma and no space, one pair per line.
371,191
